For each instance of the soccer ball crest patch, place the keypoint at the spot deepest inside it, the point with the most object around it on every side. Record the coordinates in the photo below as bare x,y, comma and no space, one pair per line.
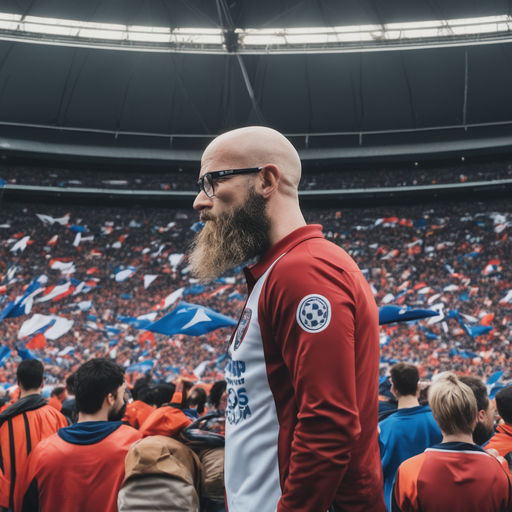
314,313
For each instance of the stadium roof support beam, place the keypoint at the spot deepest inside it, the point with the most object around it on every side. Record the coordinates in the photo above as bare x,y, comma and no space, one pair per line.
228,39
137,152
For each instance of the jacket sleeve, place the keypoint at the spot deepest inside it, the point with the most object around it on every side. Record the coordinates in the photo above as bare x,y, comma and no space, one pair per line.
318,351
26,492
395,507
4,491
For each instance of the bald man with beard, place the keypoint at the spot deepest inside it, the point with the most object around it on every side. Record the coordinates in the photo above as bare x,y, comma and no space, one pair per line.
302,371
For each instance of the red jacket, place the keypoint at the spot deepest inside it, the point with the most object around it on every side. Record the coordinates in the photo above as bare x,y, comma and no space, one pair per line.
22,426
501,441
79,468
455,477
164,421
137,412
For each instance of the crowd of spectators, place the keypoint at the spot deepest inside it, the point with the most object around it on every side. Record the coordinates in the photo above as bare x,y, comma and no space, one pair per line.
315,176
448,256
405,175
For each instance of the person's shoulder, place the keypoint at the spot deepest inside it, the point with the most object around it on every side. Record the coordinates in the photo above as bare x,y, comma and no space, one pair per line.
412,465
320,250
314,259
391,419
129,432
50,413
46,447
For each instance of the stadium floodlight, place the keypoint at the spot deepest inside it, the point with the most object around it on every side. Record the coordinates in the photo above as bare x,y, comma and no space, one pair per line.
352,38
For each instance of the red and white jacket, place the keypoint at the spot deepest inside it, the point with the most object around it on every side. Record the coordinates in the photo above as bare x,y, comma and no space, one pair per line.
302,374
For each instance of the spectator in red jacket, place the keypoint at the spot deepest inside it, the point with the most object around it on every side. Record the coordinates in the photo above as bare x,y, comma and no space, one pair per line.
82,466
24,424
502,439
456,475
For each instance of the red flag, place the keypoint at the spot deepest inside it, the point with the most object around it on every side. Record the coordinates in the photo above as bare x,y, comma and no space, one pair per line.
146,336
37,342
487,319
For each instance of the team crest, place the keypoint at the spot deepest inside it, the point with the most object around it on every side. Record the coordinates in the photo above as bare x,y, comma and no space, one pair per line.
242,327
314,313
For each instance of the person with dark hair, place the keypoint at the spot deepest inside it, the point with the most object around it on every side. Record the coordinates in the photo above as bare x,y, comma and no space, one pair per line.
196,401
142,404
409,430
24,424
501,441
486,411
168,419
57,396
303,364
162,393
455,475
96,447
217,396
69,404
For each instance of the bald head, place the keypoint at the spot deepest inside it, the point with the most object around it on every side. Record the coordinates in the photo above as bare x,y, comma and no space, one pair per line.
255,146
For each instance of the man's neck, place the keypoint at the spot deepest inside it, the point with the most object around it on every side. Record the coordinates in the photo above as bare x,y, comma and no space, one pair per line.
101,415
404,402
27,392
458,438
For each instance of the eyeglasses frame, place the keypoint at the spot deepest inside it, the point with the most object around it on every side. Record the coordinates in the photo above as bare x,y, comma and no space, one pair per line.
210,176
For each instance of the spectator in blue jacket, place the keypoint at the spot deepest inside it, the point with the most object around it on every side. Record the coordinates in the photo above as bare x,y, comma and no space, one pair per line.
409,430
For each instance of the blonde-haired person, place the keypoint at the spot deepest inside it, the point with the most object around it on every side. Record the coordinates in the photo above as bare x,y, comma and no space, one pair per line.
456,475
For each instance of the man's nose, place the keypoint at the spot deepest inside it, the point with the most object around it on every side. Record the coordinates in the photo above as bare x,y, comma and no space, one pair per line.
202,201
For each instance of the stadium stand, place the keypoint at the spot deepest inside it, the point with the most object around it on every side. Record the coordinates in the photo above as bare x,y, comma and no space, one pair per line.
450,257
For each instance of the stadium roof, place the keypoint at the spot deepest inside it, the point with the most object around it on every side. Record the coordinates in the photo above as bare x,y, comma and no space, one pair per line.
353,85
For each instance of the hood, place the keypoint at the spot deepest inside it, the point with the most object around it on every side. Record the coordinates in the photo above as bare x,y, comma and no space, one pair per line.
27,403
88,432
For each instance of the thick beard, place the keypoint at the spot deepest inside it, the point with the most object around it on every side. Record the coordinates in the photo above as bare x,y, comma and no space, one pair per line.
230,239
117,415
481,434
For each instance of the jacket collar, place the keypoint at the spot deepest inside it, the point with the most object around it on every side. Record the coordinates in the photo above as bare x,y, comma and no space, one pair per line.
254,272
27,403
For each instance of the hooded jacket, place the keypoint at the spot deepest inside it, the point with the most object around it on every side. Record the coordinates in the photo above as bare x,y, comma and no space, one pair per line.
22,426
80,468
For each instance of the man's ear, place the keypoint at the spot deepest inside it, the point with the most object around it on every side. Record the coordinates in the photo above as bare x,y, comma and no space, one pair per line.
269,179
481,416
111,399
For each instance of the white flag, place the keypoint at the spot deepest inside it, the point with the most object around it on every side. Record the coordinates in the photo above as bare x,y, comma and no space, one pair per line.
148,279
20,245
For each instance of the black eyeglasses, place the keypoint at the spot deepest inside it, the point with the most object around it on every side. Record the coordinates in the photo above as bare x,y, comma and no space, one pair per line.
206,181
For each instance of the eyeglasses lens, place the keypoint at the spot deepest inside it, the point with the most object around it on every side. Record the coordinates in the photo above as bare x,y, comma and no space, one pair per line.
208,185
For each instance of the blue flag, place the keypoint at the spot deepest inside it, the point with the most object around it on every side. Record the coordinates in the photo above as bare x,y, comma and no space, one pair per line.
142,367
472,330
25,353
428,333
390,314
5,352
137,322
495,389
197,226
18,307
495,377
190,319
77,229
193,290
